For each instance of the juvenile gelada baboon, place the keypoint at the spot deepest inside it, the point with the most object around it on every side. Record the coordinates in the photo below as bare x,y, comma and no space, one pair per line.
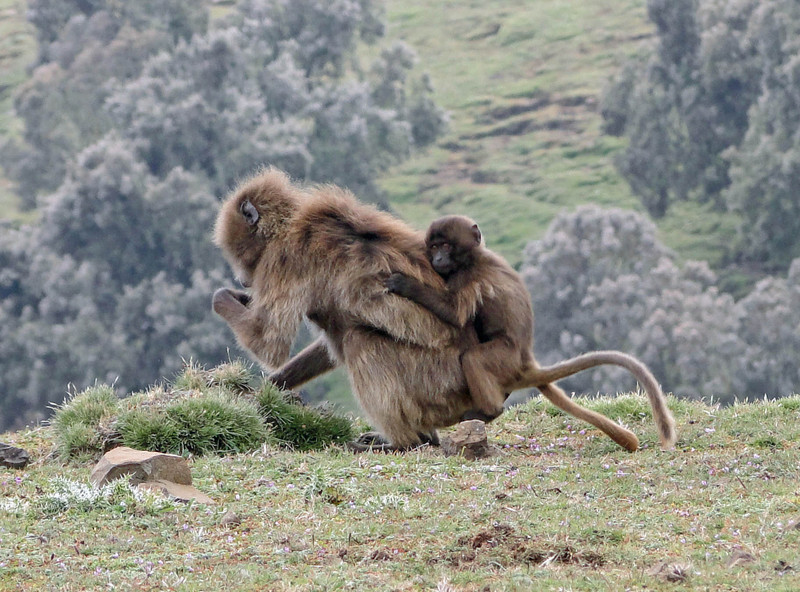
484,290
318,252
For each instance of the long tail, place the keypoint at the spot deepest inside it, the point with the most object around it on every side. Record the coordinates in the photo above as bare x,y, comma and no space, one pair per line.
542,377
616,432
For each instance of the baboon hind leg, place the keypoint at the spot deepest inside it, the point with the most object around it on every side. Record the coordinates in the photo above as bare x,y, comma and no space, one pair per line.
616,432
483,365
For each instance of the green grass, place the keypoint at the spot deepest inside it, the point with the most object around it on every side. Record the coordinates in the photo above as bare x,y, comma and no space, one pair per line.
522,82
561,508
17,51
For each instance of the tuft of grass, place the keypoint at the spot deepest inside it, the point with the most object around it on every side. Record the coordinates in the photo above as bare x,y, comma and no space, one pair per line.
301,427
202,412
79,422
193,377
89,407
149,430
199,425
235,376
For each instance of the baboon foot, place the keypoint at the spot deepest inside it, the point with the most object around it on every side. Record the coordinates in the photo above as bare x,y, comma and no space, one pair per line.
375,442
226,300
372,439
370,442
431,439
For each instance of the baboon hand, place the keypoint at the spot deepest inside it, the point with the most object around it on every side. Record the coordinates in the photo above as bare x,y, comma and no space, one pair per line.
227,302
399,283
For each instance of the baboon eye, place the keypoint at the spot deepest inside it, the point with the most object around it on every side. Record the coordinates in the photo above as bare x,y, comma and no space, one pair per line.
249,212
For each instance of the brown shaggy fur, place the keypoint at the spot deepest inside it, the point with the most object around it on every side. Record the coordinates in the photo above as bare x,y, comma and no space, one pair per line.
481,287
319,252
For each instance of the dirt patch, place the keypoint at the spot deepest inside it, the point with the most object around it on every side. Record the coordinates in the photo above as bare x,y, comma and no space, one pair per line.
524,126
531,554
537,102
508,111
498,534
500,544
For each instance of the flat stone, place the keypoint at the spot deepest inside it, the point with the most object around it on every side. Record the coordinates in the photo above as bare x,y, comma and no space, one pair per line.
230,518
141,466
177,491
469,440
13,457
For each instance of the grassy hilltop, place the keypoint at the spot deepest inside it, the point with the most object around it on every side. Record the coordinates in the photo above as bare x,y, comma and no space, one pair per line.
561,508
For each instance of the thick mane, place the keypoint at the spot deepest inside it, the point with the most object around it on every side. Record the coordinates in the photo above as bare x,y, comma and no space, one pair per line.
333,226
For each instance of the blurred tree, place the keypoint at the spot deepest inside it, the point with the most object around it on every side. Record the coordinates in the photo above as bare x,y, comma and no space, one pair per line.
137,116
771,330
766,165
258,89
600,279
84,45
710,110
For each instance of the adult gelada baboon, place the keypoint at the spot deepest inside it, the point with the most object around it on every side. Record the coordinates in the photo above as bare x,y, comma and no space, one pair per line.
318,252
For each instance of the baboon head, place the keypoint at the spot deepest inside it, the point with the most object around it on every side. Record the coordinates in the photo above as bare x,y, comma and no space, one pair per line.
452,242
252,216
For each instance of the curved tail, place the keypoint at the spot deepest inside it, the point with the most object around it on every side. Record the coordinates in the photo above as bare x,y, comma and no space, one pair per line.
542,377
616,432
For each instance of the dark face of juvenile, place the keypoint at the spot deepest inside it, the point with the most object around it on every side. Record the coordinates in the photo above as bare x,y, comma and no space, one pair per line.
452,243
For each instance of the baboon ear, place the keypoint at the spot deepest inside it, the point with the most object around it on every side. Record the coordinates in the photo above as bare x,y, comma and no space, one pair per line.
249,212
476,232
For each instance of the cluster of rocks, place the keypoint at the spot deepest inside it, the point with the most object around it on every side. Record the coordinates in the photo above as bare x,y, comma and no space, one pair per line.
166,473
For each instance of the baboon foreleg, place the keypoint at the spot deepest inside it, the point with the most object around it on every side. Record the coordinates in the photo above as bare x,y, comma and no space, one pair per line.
314,360
266,336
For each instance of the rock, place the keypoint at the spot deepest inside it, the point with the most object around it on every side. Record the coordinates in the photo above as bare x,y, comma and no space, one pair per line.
670,572
177,491
740,557
141,466
12,457
166,473
469,440
230,519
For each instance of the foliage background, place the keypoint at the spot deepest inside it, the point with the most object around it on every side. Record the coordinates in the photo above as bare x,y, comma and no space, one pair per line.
122,124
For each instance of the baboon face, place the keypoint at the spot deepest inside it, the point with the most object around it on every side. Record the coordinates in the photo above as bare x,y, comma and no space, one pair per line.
250,218
451,242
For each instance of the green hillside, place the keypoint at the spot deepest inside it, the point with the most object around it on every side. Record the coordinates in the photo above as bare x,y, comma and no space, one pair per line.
521,81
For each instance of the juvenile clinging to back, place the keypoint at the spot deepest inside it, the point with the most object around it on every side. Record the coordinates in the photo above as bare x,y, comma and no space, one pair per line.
483,289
